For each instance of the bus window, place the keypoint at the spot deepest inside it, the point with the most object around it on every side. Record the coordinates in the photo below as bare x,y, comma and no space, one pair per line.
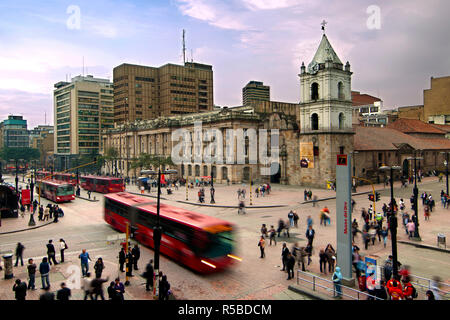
64,190
118,181
218,245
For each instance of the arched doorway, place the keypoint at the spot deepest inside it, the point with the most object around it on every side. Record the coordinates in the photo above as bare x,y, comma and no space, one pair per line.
314,121
405,171
275,178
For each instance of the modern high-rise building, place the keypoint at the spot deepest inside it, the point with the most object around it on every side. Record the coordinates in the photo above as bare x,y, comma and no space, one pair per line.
143,93
14,133
82,109
255,91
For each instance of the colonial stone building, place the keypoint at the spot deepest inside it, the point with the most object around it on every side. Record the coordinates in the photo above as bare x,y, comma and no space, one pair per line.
311,135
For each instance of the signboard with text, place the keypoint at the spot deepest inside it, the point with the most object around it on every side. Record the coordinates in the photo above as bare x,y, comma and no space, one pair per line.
26,196
306,155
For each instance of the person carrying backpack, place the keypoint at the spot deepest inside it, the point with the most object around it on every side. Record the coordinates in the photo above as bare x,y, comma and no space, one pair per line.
409,292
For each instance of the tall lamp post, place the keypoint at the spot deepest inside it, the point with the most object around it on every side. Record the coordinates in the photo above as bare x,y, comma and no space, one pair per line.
212,190
33,175
446,161
415,218
354,170
393,220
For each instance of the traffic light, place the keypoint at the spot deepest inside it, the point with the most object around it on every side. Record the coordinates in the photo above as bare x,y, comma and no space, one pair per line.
371,197
377,196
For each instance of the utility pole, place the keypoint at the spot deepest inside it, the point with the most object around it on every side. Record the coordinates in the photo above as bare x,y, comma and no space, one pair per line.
184,48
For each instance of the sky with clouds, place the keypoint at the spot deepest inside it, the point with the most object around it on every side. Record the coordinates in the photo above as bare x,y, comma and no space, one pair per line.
244,40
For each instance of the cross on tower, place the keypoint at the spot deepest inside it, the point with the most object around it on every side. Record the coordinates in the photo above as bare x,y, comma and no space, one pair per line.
324,23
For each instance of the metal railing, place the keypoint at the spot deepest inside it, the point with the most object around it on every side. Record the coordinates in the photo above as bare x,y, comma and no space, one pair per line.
326,286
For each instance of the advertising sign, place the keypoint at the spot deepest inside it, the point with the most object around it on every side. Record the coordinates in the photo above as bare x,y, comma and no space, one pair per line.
26,196
371,267
306,155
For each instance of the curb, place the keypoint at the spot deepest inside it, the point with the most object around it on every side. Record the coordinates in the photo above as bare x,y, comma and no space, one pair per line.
299,290
424,246
91,200
210,205
31,228
331,198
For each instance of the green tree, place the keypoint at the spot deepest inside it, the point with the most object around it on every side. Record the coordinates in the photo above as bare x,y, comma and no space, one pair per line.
27,154
111,154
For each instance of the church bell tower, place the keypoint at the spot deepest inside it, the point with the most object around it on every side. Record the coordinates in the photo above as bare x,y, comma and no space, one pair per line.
325,113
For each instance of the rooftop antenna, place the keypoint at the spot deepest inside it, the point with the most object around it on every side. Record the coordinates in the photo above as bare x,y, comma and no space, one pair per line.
192,56
184,48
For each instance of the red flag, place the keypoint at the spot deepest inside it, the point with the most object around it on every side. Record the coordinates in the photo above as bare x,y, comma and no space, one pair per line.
163,180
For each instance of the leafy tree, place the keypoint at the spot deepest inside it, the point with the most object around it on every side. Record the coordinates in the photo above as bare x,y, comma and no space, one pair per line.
27,154
111,154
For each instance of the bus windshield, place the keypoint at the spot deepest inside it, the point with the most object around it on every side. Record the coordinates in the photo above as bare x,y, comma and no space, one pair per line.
64,191
219,245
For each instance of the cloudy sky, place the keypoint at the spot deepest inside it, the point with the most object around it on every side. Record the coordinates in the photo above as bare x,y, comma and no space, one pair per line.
43,42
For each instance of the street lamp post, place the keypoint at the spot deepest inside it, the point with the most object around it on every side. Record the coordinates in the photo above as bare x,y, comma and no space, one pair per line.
446,161
393,221
415,218
354,170
33,175
212,187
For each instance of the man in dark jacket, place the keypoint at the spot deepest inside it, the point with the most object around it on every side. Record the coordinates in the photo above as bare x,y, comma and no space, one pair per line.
64,293
20,289
148,275
290,263
284,255
31,274
19,252
122,259
129,263
44,270
51,252
310,235
47,295
97,287
136,252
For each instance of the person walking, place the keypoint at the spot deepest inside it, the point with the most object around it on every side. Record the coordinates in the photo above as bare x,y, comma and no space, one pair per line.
262,245
323,258
64,293
19,253
122,259
87,286
291,218
263,230
51,252
98,267
44,270
62,248
284,255
97,287
164,288
384,235
290,264
148,275
31,274
136,253
310,235
272,234
47,295
41,213
337,280
20,290
84,258
296,217
411,227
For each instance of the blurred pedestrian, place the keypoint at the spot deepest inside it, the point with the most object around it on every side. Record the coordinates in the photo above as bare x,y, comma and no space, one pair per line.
149,275
87,286
310,235
122,259
323,261
51,253
129,263
164,288
64,293
430,295
20,290
262,245
284,255
47,295
290,263
97,287
119,289
272,234
98,267
19,253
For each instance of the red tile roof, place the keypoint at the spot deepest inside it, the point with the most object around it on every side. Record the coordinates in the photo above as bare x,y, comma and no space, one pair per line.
376,138
363,99
444,127
414,126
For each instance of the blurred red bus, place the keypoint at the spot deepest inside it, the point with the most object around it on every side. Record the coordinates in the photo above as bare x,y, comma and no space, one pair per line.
56,191
66,177
198,241
102,184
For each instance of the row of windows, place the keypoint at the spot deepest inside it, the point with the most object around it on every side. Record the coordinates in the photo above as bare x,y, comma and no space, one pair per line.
106,97
88,100
117,86
87,113
202,87
89,119
88,131
121,78
103,114
62,109
144,79
64,90
63,150
182,79
63,114
65,120
88,125
63,102
203,94
203,100
63,132
63,96
61,145
88,93
108,125
91,138
182,85
183,92
184,99
88,106
64,126
106,91
88,144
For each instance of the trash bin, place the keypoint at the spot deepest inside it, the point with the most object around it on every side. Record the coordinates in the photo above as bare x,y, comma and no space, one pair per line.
8,265
441,240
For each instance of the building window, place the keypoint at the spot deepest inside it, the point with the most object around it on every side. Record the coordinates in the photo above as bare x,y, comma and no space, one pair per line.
341,91
341,120
315,91
314,121
341,150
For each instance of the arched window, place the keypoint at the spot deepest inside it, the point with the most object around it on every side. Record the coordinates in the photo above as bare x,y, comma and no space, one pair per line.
224,173
190,170
197,170
205,170
341,120
314,121
315,91
341,91
213,172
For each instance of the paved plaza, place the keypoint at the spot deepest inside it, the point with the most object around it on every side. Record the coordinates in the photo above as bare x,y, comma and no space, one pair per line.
253,277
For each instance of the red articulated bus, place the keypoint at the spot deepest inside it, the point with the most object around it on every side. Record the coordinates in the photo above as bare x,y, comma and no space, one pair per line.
200,242
102,184
66,177
56,191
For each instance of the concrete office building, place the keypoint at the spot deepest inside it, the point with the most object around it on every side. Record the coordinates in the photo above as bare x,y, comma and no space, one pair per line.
82,109
144,93
14,133
255,91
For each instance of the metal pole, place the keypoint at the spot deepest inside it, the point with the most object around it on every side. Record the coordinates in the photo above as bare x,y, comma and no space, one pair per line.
446,173
251,185
212,188
17,177
187,186
416,208
127,226
157,238
393,227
